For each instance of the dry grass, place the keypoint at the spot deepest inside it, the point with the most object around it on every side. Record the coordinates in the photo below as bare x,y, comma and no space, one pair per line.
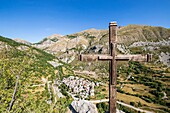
37,89
127,99
137,89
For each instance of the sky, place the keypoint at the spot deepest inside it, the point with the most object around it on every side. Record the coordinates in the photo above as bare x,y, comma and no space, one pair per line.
33,20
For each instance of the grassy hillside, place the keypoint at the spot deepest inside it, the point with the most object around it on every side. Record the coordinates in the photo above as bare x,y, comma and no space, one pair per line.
132,33
24,79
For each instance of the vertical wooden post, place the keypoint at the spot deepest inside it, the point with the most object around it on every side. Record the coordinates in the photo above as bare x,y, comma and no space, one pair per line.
113,75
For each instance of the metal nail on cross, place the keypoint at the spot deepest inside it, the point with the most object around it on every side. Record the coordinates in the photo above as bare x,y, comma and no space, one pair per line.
113,58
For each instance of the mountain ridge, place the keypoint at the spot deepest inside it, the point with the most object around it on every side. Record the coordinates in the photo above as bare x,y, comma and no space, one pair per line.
91,30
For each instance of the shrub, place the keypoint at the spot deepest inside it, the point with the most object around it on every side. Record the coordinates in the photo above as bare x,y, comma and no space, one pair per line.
132,103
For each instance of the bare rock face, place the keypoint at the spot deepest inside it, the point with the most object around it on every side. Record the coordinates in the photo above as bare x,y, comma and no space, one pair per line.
65,43
165,58
159,43
3,45
83,106
22,48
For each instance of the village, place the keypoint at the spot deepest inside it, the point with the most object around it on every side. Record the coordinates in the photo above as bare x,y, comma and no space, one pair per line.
80,87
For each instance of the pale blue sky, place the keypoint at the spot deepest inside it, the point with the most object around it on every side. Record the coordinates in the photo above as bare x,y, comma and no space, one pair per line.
34,20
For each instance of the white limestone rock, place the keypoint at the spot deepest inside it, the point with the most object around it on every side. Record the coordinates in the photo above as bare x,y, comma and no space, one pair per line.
165,58
83,106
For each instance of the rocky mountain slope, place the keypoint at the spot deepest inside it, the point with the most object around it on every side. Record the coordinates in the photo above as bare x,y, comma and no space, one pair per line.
131,39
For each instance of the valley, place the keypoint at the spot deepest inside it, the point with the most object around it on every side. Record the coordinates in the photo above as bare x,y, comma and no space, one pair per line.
51,77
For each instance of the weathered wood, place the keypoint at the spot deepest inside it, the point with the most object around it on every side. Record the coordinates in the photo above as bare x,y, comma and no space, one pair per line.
113,75
139,58
95,57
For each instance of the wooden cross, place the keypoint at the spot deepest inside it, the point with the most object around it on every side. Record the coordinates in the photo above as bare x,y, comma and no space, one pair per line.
113,58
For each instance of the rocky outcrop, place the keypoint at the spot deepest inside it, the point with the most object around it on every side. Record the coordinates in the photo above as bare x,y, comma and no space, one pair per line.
22,48
165,58
83,106
160,43
5,46
64,44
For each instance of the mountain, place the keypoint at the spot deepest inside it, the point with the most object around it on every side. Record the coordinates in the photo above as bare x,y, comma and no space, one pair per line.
47,76
127,34
46,42
131,39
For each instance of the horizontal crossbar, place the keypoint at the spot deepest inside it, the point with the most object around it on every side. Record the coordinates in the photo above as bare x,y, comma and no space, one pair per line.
95,57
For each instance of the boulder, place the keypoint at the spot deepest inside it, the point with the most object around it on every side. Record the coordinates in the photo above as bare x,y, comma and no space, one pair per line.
83,106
